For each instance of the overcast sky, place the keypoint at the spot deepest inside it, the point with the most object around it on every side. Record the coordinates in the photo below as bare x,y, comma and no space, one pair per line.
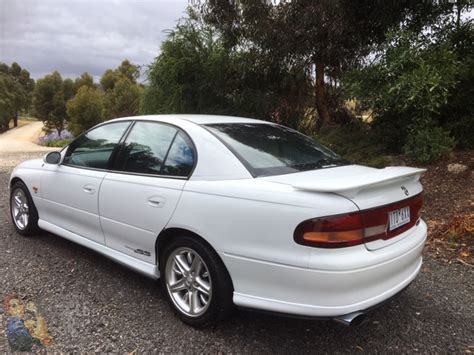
74,36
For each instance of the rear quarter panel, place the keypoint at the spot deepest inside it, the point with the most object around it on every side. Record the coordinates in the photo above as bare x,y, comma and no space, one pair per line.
252,218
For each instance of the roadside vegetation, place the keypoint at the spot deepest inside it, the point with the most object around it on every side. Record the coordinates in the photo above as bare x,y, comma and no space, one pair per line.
379,85
371,82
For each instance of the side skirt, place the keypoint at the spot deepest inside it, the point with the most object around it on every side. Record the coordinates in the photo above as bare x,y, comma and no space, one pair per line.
142,267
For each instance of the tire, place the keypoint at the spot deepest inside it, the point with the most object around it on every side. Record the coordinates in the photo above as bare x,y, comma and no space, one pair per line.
21,204
191,289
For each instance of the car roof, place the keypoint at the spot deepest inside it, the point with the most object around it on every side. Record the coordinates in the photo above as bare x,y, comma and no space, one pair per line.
198,119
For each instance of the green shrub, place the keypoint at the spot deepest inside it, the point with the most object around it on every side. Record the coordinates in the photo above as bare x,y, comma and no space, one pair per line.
354,142
58,143
427,144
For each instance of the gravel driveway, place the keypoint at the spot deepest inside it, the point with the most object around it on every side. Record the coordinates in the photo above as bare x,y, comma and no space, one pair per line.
92,304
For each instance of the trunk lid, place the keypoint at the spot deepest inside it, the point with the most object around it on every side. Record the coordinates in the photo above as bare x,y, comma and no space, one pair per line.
368,188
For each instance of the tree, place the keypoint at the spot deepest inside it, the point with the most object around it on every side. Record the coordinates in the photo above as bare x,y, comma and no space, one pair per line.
85,110
108,79
123,100
84,80
189,74
322,38
21,89
129,70
49,101
125,70
407,89
122,92
7,100
69,89
196,73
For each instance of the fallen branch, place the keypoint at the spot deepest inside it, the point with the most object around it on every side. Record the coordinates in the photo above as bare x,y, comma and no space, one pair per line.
463,262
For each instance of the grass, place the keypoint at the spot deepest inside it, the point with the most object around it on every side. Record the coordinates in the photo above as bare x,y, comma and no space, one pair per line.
58,143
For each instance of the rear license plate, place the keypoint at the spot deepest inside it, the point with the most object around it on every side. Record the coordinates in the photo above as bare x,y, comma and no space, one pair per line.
399,217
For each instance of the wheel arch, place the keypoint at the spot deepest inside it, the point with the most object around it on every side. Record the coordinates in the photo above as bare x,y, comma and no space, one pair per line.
14,180
169,234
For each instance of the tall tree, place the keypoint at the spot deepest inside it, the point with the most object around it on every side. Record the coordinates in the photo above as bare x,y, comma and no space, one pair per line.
196,73
49,102
7,100
123,100
69,89
322,37
84,80
122,92
22,88
125,70
85,110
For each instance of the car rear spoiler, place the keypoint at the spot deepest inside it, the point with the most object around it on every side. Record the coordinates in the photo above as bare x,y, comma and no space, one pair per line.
350,186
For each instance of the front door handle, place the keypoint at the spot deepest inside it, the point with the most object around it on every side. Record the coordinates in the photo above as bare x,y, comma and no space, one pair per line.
156,201
89,189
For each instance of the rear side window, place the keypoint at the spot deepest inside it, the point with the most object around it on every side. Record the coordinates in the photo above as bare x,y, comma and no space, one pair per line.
94,148
157,149
180,160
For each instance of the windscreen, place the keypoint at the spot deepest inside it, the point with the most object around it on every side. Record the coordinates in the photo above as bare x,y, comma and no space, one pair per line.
268,149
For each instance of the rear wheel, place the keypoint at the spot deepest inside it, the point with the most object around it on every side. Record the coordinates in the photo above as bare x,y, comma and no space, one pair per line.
23,211
196,282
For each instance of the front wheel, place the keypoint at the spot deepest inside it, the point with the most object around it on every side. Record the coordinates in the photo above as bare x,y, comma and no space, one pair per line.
196,282
23,211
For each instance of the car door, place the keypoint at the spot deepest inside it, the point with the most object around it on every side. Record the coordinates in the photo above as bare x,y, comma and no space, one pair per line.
70,190
138,198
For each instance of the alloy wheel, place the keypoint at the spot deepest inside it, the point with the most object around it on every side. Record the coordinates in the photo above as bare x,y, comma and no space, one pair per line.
20,209
188,282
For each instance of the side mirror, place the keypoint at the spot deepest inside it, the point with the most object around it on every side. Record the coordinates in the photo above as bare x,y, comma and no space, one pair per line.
52,158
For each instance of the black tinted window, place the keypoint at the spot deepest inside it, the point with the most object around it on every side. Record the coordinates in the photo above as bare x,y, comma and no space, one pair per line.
93,149
268,149
180,158
146,147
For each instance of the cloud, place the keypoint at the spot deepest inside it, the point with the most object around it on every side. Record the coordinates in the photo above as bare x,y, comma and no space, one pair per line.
74,36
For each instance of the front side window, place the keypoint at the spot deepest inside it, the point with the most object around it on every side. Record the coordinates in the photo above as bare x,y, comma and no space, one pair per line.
157,149
268,149
94,148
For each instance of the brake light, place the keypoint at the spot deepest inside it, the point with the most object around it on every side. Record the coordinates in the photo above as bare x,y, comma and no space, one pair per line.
357,227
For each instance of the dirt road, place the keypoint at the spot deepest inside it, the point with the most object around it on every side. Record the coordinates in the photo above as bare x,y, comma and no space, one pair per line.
18,144
21,139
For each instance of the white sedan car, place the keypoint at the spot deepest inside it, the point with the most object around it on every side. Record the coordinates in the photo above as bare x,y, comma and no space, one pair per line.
230,211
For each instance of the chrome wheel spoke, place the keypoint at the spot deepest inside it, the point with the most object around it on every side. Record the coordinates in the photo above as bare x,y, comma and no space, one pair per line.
203,300
202,286
17,201
178,285
196,266
194,302
181,264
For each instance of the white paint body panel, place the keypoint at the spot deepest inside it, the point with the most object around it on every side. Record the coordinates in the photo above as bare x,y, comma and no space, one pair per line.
70,199
135,209
248,221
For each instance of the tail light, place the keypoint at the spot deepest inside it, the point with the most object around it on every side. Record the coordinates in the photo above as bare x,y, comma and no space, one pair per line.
357,227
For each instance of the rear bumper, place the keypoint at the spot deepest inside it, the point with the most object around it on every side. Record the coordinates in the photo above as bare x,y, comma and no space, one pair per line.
326,289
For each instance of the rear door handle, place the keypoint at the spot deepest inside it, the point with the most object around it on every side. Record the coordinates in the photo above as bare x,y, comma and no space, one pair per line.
156,201
89,189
